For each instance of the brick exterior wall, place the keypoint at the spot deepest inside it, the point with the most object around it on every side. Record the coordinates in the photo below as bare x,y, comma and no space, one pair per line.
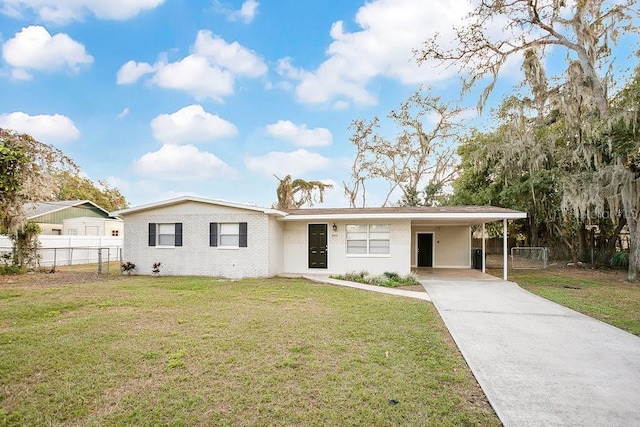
195,257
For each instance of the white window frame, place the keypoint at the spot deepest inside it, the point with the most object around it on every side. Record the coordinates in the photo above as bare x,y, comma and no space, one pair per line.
368,239
173,233
222,225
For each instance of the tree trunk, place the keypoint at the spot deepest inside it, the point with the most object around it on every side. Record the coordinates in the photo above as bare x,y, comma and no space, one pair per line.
533,227
634,249
610,249
583,248
572,248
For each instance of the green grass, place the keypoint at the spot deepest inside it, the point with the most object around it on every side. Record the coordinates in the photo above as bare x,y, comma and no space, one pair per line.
202,351
603,295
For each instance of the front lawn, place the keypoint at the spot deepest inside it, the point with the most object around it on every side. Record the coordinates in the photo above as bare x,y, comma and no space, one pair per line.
202,351
602,294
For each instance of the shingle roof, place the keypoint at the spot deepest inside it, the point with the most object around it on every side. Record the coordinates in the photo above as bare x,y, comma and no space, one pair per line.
469,214
36,209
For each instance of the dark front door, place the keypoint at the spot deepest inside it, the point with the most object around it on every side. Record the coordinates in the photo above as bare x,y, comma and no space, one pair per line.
317,245
425,250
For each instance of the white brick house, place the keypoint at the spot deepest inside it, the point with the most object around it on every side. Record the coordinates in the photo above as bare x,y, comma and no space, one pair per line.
203,237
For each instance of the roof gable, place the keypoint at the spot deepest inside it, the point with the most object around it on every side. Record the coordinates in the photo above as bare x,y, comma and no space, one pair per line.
188,199
38,209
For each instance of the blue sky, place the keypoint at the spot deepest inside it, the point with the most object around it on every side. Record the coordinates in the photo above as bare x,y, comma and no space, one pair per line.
212,97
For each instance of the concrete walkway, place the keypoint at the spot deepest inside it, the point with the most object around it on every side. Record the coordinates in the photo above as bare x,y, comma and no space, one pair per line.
319,278
541,364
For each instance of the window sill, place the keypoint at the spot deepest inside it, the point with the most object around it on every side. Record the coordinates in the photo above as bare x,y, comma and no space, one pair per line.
368,255
228,248
165,247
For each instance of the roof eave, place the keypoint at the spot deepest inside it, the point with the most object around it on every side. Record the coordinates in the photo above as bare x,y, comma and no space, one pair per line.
488,216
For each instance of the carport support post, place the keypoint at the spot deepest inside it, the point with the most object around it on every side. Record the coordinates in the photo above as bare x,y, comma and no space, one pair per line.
484,247
504,249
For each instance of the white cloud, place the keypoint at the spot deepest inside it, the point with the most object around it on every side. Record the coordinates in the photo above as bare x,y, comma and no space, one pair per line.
296,163
181,163
124,113
33,48
245,14
194,75
19,74
232,56
119,183
209,72
191,124
299,134
63,12
286,69
50,129
132,71
389,30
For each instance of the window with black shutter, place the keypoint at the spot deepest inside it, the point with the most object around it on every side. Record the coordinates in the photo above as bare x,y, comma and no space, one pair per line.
152,234
178,234
213,234
242,228
167,234
228,234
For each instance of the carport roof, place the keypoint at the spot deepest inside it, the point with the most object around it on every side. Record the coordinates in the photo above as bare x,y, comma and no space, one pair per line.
442,214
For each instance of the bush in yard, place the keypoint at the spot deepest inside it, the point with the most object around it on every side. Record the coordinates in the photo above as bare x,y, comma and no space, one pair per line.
392,275
388,279
411,279
620,260
356,276
127,267
155,269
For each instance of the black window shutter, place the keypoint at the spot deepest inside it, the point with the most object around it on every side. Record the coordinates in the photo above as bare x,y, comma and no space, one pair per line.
178,237
213,234
243,234
152,234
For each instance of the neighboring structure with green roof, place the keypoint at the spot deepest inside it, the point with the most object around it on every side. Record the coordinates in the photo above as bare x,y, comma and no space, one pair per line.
73,217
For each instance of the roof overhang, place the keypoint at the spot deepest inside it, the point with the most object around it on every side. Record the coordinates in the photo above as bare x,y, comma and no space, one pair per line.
442,215
441,218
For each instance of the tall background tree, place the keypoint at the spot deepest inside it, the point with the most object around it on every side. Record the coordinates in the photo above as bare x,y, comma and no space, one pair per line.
76,187
602,178
31,171
419,162
296,193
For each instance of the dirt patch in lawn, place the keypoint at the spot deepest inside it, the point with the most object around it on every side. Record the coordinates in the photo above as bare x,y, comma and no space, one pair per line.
558,268
62,276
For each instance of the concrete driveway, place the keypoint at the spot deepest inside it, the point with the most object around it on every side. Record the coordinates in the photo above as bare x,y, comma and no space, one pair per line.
539,363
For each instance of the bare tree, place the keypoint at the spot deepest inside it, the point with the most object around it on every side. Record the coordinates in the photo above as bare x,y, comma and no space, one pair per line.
419,161
293,194
586,30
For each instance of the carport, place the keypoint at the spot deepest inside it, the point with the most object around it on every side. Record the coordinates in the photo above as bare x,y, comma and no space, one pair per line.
441,237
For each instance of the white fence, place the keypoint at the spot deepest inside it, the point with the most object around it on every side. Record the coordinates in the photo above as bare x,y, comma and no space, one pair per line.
71,250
